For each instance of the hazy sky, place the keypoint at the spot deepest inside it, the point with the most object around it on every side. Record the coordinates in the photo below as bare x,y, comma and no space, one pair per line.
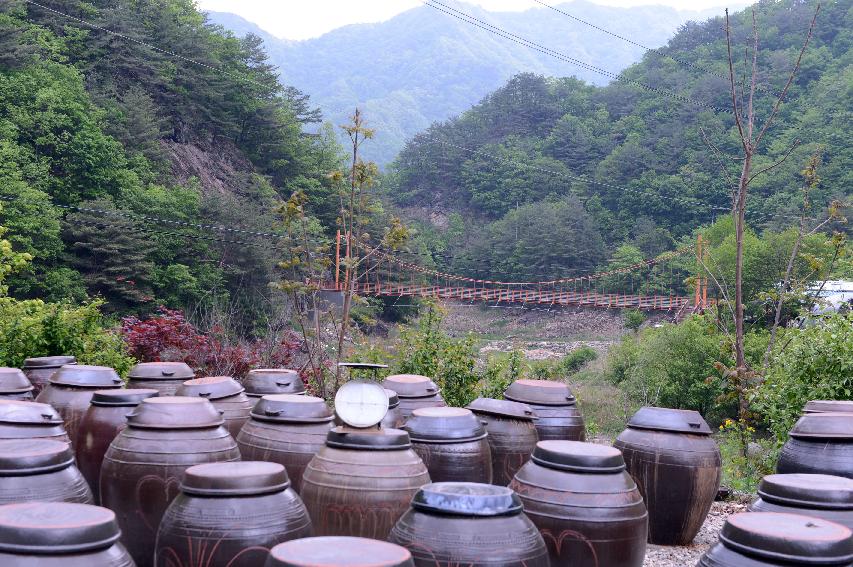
301,19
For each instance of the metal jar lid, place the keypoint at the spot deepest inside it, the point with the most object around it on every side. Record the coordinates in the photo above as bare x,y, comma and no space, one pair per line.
175,412
211,388
393,399
48,362
808,491
28,413
577,456
161,371
824,426
291,408
20,457
368,439
86,376
339,551
467,499
263,381
14,381
56,528
502,408
672,420
411,385
243,478
129,397
788,538
444,425
540,392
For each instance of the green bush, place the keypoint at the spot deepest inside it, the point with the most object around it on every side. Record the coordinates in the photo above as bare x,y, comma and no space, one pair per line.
576,359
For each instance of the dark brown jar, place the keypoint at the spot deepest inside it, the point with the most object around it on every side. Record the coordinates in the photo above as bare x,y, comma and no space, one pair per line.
40,469
819,443
144,465
339,551
226,395
39,369
818,495
452,444
414,391
676,465
287,429
230,514
557,415
394,418
768,539
14,385
165,377
829,406
105,418
265,381
70,391
361,482
64,534
466,523
585,504
30,420
512,435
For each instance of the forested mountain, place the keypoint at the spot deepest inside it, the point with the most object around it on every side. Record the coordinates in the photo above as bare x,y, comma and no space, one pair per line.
425,65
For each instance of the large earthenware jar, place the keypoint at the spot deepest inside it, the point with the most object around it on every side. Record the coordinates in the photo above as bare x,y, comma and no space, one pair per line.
585,504
30,420
829,406
361,482
226,395
339,551
676,465
818,495
415,391
394,419
105,418
820,443
14,385
40,469
452,444
512,435
557,415
165,377
39,369
464,523
768,539
288,429
235,512
70,391
144,465
42,534
265,381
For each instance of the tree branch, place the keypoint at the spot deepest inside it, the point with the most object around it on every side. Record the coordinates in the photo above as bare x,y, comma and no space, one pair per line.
732,80
777,164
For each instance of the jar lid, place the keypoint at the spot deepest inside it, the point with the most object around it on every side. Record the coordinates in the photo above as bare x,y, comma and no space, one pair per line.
211,388
54,528
243,478
503,408
29,413
666,419
161,371
129,397
339,551
48,362
411,385
393,398
33,456
829,406
444,425
14,381
577,456
808,490
824,426
263,381
788,538
175,412
541,392
467,499
86,376
291,408
342,437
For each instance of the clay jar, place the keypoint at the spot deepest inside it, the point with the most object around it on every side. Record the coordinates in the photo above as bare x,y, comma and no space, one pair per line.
165,377
339,551
30,420
40,368
820,443
226,395
461,523
818,495
40,469
361,482
105,418
265,381
676,465
557,415
394,418
14,385
41,534
452,444
765,539
70,391
829,406
511,435
143,467
236,512
287,429
415,391
585,504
